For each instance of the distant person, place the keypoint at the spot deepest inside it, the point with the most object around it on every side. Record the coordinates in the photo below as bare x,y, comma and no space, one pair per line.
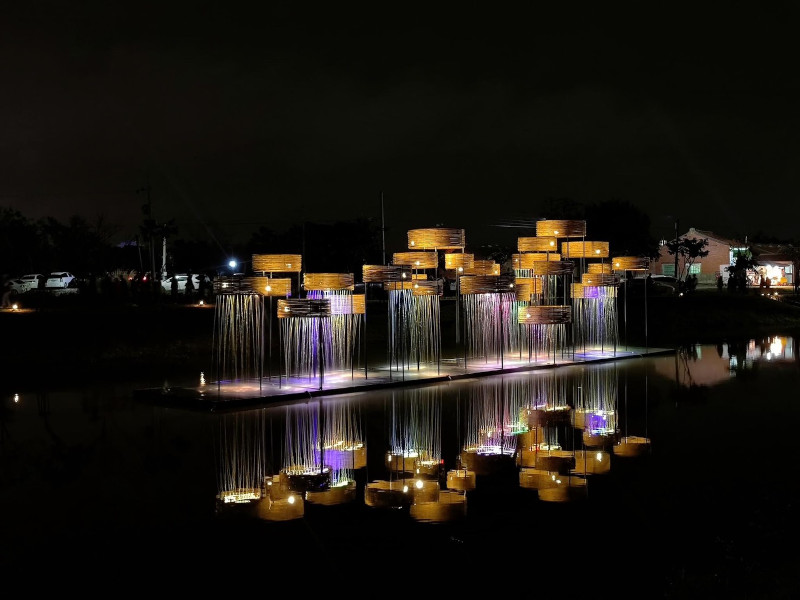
719,282
692,283
173,288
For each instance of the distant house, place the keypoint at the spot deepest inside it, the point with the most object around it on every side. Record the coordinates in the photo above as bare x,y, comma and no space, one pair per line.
774,260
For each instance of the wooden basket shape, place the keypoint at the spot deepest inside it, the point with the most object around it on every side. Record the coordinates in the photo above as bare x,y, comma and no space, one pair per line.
277,263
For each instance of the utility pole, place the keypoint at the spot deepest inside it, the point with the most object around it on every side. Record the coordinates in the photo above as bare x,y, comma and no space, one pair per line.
148,210
383,231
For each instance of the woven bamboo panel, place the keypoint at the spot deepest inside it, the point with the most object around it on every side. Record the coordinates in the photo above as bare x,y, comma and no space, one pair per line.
417,260
232,285
419,276
630,263
277,263
304,307
599,279
267,286
396,286
552,267
483,267
526,260
576,290
537,244
584,249
328,281
384,273
427,288
560,228
526,287
598,268
436,238
348,304
545,315
485,284
456,260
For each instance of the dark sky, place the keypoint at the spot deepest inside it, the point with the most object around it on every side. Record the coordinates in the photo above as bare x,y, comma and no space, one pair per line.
466,116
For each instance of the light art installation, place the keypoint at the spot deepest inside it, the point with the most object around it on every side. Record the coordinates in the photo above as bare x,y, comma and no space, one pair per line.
436,238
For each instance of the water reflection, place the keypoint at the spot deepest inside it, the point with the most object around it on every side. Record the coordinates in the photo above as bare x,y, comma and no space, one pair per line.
470,459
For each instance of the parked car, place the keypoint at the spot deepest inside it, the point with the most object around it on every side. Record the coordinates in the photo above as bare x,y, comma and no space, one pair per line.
27,283
61,279
166,284
661,284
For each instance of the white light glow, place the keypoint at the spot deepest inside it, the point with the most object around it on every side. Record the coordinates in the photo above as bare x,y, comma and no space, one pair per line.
405,489
232,264
419,484
290,500
269,288
16,398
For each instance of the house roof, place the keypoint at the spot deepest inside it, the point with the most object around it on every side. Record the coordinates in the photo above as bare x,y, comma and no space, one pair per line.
699,233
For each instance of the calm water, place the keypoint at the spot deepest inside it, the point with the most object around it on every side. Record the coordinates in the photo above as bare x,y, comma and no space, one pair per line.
99,484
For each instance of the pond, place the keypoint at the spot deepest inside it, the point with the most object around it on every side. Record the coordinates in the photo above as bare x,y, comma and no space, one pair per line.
517,479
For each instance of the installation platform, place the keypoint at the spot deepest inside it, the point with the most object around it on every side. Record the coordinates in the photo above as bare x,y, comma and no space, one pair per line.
279,388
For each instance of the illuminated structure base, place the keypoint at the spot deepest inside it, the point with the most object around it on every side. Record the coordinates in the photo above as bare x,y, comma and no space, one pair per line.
448,506
599,440
305,479
565,489
632,446
388,494
339,494
594,462
461,479
485,463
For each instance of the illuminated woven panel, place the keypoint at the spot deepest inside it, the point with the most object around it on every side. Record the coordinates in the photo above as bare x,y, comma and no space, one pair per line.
483,267
525,261
267,286
436,238
598,268
585,249
485,284
581,291
417,260
304,307
396,286
545,315
277,263
328,281
630,263
454,260
384,273
349,304
560,228
232,285
576,290
420,276
527,287
552,267
537,244
599,279
427,288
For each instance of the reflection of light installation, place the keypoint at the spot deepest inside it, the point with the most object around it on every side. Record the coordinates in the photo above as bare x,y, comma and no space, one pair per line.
342,450
633,445
305,467
596,409
449,505
241,458
280,503
491,427
416,444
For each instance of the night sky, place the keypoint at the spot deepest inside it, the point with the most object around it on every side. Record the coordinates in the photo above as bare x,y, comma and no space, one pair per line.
467,116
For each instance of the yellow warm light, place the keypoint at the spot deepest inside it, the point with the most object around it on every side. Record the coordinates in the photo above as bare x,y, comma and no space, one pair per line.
552,267
384,273
423,260
536,244
598,267
277,263
631,263
328,281
483,267
546,315
560,228
526,260
436,238
590,279
458,260
584,249
267,286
